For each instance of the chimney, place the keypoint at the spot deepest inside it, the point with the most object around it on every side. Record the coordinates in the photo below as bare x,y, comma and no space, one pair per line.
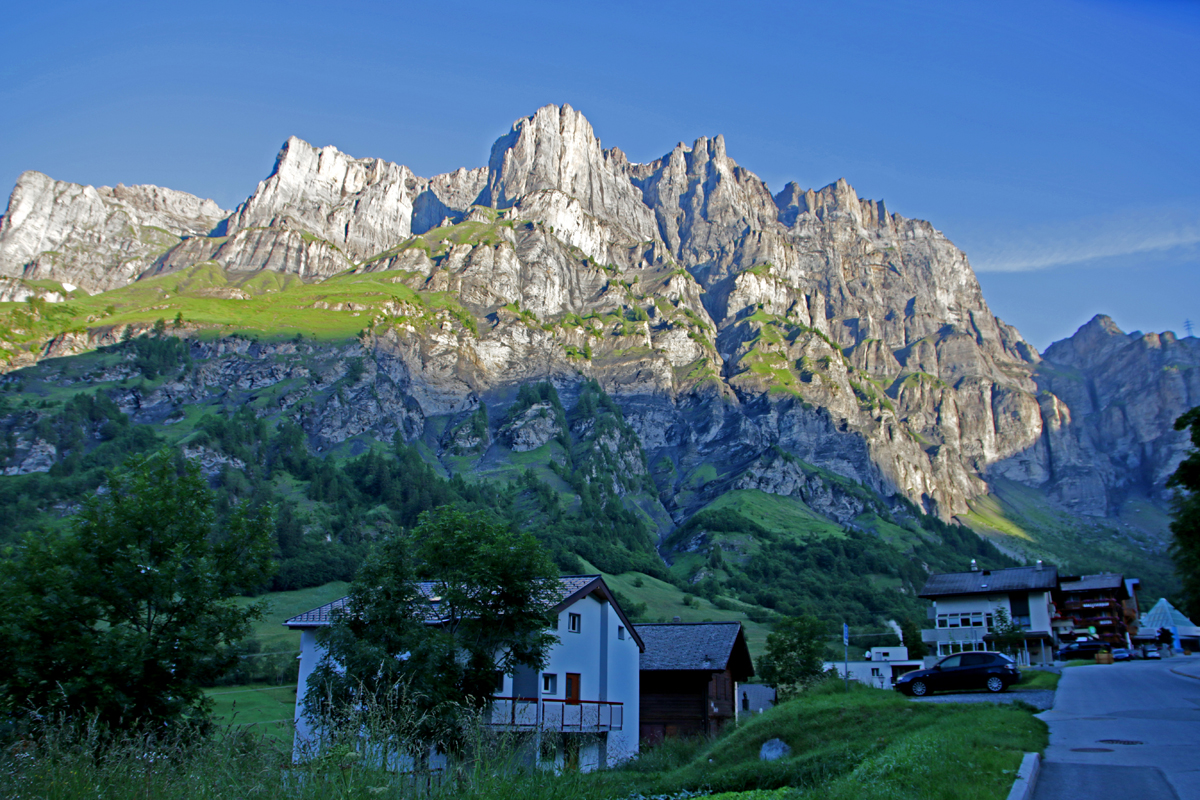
974,567
1039,565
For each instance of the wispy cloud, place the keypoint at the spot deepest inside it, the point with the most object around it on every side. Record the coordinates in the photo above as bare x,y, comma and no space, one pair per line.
1144,232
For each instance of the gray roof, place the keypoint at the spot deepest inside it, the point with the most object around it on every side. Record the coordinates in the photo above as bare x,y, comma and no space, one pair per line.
1014,579
570,588
705,646
317,617
1088,583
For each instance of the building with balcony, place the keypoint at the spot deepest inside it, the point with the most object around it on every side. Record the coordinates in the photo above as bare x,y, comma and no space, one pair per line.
1102,606
965,608
587,694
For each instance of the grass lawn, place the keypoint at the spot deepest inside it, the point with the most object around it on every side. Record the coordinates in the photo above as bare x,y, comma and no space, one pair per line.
866,744
1038,679
267,709
283,605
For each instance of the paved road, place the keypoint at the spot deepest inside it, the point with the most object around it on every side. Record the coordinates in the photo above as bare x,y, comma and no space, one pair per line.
1141,701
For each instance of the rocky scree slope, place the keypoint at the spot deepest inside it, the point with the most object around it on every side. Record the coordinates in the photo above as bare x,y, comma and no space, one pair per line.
730,324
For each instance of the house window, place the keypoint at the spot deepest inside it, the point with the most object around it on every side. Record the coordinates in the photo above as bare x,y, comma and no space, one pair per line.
549,683
574,623
556,623
620,631
963,619
875,673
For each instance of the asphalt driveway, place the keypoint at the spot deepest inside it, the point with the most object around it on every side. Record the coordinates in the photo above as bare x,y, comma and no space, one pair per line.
1038,698
1129,730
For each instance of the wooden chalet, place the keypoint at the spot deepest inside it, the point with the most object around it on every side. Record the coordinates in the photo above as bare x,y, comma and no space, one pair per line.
689,677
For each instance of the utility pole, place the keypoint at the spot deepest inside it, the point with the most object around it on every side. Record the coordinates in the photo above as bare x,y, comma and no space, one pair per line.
1187,326
846,652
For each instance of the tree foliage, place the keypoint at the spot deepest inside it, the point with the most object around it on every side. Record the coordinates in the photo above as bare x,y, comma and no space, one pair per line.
1008,634
127,615
911,638
795,654
1185,546
440,612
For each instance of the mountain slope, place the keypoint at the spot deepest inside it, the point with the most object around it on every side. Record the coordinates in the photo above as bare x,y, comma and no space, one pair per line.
807,344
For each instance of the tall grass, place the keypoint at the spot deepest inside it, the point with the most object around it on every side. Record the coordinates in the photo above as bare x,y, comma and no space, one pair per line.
64,763
866,744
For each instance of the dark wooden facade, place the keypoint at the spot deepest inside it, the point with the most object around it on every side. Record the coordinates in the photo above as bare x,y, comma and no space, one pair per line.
699,696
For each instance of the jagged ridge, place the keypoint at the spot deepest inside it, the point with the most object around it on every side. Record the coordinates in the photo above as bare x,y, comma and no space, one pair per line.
726,321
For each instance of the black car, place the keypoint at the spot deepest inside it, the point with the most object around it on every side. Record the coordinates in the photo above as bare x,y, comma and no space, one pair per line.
992,671
1081,650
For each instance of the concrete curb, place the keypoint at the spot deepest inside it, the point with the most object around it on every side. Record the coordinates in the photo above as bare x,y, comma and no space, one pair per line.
1186,674
1027,775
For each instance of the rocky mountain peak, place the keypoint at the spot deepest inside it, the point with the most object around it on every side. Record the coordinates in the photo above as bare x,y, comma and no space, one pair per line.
556,150
95,238
1091,344
837,330
361,205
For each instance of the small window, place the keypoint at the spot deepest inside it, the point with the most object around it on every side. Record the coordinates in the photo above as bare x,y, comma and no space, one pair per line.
620,631
499,681
549,683
574,623
556,623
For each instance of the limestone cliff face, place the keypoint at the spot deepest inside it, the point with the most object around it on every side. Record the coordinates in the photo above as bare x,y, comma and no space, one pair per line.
361,206
730,324
95,238
1109,402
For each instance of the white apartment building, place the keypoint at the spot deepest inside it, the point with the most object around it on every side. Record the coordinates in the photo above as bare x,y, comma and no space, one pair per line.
965,604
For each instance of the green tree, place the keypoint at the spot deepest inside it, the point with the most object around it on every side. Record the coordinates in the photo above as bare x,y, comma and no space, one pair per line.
127,615
1007,634
911,637
1185,546
440,611
795,655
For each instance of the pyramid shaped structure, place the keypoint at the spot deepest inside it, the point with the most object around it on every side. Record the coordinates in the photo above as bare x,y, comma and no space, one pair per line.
1165,615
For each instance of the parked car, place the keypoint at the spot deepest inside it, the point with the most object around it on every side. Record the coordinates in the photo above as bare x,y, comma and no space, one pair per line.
1081,650
1152,652
992,671
1123,654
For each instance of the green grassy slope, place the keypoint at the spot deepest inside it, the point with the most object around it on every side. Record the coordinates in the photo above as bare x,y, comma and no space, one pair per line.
858,746
1022,520
269,630
266,710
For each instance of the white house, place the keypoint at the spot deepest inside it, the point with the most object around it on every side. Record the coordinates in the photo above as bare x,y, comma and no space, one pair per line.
587,692
881,669
965,604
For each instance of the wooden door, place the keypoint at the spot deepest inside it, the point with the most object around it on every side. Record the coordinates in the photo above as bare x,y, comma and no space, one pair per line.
572,693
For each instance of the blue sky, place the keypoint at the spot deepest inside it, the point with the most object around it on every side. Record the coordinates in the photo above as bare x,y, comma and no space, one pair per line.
1055,142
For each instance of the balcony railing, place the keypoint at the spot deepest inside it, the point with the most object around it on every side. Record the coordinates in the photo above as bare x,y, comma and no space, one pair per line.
565,716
